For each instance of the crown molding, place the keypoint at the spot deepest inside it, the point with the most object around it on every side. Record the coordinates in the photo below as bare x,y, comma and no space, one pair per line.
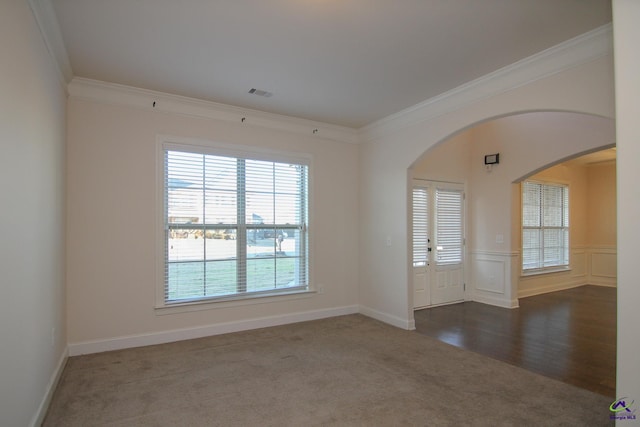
571,53
117,94
47,21
581,49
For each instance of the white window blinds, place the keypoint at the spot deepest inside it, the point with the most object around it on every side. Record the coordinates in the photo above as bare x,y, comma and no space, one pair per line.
449,226
234,226
420,226
545,226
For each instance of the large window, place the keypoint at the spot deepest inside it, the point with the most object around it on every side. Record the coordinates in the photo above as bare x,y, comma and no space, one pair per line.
545,226
234,226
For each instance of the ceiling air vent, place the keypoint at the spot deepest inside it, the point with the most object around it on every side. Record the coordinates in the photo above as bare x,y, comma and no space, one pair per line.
260,92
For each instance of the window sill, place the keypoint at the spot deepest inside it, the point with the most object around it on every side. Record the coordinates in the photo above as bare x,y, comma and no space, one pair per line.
233,301
545,271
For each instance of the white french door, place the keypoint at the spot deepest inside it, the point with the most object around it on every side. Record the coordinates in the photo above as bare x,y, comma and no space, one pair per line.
438,243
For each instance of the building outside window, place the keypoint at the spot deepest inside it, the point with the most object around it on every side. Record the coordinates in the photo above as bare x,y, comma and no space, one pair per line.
235,225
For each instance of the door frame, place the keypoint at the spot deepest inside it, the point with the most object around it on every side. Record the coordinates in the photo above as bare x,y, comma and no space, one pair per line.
433,184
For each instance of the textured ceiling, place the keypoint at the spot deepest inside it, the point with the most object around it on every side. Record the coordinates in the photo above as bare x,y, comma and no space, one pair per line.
345,62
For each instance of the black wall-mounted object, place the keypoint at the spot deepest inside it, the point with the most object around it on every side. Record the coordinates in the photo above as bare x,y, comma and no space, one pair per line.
492,159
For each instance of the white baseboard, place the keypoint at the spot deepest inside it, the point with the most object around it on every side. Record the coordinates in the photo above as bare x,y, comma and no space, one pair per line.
603,284
38,418
119,343
498,302
408,324
551,288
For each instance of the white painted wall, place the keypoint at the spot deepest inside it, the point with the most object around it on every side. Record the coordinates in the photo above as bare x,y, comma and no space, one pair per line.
449,161
111,282
32,200
626,15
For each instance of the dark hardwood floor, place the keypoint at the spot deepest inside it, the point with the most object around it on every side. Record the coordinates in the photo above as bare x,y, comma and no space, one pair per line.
567,335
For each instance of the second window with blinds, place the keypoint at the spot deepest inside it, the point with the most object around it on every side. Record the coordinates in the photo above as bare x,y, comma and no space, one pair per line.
545,227
235,224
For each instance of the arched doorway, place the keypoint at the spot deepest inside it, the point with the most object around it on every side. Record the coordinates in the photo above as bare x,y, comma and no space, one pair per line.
527,143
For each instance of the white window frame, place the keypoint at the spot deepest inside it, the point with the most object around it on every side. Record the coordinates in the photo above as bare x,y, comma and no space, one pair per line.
552,268
190,145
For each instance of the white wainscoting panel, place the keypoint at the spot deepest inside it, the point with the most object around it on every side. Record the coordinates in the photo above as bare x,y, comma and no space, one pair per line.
490,275
603,261
492,280
589,265
575,276
579,262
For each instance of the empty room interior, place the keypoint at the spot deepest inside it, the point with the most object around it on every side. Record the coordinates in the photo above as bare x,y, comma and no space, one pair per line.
303,212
